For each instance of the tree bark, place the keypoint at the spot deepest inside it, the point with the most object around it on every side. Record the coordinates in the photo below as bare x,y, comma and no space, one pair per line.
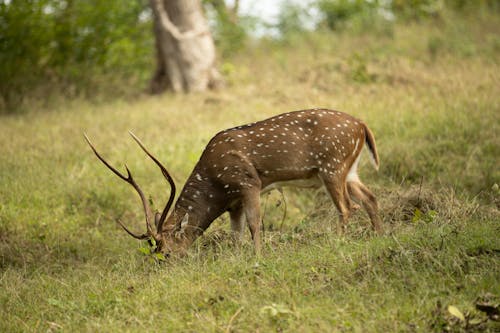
185,50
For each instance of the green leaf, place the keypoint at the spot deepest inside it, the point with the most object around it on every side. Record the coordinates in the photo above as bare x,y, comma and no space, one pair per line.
430,216
145,250
283,309
454,311
417,215
475,321
160,256
153,241
271,310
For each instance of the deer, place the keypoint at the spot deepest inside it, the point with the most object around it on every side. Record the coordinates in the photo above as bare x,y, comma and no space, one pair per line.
305,148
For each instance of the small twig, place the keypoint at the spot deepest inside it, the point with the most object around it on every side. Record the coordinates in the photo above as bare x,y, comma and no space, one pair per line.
228,329
285,205
264,215
402,181
397,241
420,191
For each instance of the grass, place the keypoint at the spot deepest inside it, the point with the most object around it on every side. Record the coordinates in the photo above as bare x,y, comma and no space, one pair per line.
430,94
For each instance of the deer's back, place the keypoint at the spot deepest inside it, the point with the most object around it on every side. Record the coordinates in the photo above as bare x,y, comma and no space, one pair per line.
294,145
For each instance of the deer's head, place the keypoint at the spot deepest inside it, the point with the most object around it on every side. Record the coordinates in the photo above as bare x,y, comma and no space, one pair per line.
165,234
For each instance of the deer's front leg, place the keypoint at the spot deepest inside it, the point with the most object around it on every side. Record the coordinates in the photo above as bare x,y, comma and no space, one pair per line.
237,216
242,178
251,208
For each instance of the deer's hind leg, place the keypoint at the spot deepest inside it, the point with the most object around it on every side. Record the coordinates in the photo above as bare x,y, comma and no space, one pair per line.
362,194
352,204
336,187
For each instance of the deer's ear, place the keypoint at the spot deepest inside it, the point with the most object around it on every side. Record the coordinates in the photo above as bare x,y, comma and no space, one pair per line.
184,223
157,220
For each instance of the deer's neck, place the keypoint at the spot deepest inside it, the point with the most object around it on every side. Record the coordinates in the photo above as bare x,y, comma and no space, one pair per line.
199,200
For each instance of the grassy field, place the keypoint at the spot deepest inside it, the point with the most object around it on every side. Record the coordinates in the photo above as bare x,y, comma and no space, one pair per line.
430,93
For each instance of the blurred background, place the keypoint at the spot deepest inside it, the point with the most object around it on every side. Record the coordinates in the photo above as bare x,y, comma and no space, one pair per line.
98,50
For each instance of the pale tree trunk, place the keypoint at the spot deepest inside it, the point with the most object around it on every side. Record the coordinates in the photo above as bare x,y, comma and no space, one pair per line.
185,49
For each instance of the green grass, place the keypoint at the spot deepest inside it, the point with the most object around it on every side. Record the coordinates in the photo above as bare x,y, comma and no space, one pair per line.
429,93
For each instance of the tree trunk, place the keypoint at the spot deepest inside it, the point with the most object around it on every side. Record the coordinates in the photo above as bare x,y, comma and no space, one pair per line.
185,49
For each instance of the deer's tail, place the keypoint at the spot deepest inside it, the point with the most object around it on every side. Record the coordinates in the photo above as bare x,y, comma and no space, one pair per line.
372,147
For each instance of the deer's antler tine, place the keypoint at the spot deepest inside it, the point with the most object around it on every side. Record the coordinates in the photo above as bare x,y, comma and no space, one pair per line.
147,209
116,172
169,178
129,179
141,237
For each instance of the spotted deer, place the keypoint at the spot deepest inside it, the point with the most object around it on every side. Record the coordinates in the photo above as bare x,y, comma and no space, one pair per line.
302,148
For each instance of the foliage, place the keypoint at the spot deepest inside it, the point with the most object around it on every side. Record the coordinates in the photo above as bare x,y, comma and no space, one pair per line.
339,12
99,49
292,18
71,45
365,14
229,28
417,9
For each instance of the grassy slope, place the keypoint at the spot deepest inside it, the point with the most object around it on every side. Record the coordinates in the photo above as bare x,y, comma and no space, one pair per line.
430,94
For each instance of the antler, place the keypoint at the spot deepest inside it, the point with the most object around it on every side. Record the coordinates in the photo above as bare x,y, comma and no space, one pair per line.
129,179
165,173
